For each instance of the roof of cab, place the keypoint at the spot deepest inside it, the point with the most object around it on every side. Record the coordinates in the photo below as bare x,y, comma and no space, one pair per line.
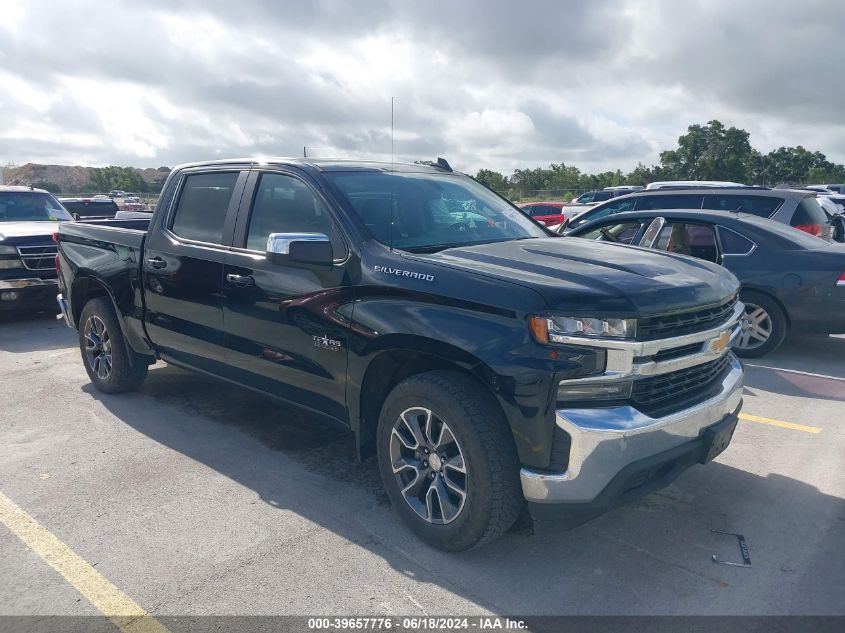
321,164
21,189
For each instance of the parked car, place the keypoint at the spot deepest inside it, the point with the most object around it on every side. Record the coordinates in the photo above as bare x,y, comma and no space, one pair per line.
791,281
589,200
624,188
484,362
28,219
90,208
548,213
686,184
796,208
117,193
833,188
133,203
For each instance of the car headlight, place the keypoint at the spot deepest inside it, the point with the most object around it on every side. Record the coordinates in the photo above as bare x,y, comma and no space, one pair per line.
557,329
10,263
8,250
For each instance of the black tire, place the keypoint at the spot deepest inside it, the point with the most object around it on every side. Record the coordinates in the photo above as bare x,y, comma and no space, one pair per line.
115,371
493,494
778,325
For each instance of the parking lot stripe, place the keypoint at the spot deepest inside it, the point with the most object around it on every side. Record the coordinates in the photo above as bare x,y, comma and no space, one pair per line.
126,614
796,371
780,423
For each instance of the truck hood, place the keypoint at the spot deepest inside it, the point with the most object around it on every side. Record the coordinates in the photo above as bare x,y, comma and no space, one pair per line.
27,229
581,276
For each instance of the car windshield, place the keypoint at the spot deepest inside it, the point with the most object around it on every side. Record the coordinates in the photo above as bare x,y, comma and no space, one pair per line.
422,212
24,206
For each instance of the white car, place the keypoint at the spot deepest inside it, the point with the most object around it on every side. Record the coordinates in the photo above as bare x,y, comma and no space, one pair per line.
669,184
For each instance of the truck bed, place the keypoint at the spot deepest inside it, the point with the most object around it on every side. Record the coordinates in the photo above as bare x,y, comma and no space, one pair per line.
129,233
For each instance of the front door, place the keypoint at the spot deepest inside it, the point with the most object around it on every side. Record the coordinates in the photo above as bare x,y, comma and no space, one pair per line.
287,324
183,269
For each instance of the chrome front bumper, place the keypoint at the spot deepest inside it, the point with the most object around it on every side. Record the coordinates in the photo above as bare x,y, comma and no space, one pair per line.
606,440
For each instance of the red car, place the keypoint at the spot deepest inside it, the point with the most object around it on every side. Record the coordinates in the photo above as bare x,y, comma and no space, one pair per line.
549,213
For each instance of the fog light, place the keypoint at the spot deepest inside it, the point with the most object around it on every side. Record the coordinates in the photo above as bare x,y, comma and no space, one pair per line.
9,296
594,391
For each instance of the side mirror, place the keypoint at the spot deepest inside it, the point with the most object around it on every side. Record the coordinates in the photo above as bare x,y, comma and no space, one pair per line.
314,249
651,233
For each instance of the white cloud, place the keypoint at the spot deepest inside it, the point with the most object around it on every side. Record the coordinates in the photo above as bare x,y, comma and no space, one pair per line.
486,84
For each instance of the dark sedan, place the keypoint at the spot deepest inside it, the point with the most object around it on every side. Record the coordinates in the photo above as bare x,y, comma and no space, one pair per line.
790,280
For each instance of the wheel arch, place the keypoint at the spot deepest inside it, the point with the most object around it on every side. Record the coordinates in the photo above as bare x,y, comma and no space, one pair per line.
766,292
87,286
391,366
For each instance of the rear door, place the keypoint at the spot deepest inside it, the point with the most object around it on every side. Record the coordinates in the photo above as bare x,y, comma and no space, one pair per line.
287,324
183,268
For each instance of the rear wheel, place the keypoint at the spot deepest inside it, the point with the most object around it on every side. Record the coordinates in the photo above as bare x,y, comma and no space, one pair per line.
111,365
448,461
763,326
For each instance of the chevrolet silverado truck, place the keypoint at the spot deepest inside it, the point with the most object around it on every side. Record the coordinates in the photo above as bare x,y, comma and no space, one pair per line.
485,361
28,219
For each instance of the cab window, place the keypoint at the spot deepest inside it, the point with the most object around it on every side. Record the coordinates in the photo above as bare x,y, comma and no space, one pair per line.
285,204
609,208
689,238
621,233
203,202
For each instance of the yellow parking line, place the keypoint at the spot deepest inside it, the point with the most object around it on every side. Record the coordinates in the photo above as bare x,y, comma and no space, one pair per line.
126,614
780,423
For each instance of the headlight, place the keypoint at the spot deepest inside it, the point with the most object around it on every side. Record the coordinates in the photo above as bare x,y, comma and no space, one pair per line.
556,329
10,263
8,250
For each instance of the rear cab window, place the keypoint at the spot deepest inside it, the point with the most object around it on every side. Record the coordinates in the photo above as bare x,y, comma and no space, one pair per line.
203,202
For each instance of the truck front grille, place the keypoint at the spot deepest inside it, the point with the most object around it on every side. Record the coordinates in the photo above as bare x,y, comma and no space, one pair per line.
679,389
669,325
41,257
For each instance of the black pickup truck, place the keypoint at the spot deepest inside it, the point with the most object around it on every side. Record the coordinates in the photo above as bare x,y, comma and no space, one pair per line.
486,361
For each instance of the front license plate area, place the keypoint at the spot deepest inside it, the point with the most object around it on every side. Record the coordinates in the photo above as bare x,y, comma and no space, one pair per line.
717,437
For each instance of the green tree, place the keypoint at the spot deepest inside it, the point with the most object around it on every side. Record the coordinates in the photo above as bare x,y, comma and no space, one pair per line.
710,152
492,179
113,177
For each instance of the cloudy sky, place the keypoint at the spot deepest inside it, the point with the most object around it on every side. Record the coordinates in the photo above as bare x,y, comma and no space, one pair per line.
491,83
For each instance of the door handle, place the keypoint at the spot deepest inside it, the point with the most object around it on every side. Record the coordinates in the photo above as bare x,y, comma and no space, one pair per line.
157,262
241,281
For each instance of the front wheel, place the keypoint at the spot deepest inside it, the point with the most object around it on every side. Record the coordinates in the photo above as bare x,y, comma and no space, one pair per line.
448,461
763,326
111,365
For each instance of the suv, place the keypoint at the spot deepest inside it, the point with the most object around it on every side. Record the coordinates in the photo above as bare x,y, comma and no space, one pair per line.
90,208
798,209
28,219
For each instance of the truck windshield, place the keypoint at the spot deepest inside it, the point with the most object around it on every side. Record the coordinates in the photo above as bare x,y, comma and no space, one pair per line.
24,206
421,212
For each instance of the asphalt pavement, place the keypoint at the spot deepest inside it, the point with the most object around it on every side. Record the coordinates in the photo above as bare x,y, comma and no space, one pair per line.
194,497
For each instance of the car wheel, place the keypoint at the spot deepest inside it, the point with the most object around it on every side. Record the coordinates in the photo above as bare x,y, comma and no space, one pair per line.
448,461
104,353
763,326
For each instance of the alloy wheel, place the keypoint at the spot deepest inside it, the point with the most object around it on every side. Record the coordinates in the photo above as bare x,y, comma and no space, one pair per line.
756,327
428,465
98,347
